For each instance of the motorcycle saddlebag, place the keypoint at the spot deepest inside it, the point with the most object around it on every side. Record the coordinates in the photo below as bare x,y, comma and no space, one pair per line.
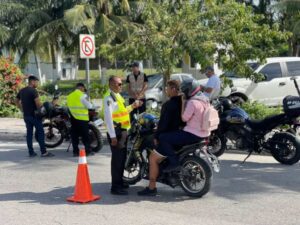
291,105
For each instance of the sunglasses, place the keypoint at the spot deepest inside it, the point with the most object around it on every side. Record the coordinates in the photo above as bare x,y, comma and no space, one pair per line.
119,84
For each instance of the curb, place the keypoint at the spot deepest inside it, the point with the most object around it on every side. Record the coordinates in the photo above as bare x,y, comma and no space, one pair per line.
14,136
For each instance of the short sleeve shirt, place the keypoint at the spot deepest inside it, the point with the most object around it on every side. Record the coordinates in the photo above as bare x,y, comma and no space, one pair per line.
214,83
27,96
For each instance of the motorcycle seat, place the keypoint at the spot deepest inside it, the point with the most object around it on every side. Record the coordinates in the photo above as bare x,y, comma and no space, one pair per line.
265,123
192,146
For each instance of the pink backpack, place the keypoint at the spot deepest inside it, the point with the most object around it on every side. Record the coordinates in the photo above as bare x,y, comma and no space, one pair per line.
210,119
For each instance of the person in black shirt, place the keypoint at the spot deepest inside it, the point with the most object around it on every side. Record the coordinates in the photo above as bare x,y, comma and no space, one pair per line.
28,101
170,120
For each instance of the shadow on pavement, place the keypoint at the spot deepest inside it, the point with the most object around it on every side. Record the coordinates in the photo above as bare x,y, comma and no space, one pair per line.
58,196
237,179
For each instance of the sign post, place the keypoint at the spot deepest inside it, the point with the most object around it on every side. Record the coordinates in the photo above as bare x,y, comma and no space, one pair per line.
87,52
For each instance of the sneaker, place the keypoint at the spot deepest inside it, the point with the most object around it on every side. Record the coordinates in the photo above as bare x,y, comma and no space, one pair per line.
148,192
47,154
32,154
171,168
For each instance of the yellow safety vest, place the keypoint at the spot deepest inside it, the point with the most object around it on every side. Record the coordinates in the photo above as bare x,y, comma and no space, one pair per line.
121,115
77,109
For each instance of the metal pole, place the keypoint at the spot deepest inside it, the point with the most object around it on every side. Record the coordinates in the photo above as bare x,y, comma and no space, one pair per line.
87,74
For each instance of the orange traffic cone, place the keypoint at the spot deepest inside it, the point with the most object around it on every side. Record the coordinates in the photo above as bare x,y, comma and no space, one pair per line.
83,189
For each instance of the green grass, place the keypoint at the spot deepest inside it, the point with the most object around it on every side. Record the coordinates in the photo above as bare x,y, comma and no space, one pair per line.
94,74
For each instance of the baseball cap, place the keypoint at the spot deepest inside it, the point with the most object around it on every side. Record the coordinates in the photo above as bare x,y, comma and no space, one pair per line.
135,64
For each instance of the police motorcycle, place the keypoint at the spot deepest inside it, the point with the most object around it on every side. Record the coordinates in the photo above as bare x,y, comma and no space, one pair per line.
267,134
197,163
57,125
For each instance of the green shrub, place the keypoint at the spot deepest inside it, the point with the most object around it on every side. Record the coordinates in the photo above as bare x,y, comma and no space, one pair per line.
97,90
11,81
259,111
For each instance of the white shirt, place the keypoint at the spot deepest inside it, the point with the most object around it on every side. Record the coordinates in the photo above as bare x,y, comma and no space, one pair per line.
85,102
214,83
109,107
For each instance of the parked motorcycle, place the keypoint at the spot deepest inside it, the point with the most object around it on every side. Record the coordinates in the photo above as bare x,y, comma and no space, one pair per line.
267,134
196,162
57,125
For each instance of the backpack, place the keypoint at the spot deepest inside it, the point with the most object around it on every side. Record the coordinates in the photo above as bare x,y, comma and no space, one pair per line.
210,119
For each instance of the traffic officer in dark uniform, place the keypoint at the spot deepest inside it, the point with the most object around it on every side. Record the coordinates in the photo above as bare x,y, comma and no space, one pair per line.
117,119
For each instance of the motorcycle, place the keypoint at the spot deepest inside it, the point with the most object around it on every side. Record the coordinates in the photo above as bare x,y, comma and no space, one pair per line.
267,134
57,125
196,162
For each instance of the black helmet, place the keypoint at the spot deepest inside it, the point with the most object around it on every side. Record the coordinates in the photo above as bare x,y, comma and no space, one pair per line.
226,103
190,87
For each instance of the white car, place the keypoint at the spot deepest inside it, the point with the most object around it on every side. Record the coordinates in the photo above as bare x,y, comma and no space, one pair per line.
154,92
278,84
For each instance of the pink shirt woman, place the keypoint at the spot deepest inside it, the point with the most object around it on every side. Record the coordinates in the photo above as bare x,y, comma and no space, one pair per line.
193,115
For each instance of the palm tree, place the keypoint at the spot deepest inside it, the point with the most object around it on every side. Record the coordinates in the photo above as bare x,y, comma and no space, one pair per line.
39,28
290,17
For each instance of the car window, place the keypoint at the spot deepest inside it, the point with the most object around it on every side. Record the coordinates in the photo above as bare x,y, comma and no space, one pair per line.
153,79
185,77
293,68
271,71
175,77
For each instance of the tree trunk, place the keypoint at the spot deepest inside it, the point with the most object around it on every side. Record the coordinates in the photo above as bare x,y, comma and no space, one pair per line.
166,77
52,50
38,66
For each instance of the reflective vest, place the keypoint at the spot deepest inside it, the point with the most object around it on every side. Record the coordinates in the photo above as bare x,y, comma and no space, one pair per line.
136,83
77,109
121,115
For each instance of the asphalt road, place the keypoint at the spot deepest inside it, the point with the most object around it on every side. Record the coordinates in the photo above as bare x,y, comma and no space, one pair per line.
33,191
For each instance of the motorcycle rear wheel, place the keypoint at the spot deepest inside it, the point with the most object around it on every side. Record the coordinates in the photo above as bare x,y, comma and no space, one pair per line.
96,140
285,148
194,171
217,144
53,135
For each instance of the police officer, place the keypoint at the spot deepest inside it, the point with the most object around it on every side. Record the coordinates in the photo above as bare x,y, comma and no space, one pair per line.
79,108
116,116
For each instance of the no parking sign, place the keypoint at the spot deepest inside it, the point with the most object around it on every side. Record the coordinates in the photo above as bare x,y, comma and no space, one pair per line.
87,46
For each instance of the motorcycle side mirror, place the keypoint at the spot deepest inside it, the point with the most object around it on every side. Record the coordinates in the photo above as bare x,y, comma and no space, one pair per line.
154,105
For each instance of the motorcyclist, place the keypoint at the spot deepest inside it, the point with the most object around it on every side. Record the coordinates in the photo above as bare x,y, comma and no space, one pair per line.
192,114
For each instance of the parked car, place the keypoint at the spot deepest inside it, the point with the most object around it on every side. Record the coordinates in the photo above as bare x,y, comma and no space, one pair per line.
154,92
271,91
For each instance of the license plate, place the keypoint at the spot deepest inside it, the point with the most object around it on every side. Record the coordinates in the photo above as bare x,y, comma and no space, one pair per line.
98,122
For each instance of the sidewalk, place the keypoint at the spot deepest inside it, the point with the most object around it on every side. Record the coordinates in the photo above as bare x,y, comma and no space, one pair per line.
13,129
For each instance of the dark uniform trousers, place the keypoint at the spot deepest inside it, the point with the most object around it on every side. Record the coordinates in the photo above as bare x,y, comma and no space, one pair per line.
118,158
80,128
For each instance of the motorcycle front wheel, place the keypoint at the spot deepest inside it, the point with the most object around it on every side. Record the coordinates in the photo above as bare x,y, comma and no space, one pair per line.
53,135
196,176
285,148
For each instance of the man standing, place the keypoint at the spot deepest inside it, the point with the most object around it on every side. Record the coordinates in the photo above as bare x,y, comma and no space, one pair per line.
170,120
213,86
137,85
116,116
79,108
28,101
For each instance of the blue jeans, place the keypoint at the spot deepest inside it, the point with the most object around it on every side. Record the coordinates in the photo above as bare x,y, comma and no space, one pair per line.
176,139
31,122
